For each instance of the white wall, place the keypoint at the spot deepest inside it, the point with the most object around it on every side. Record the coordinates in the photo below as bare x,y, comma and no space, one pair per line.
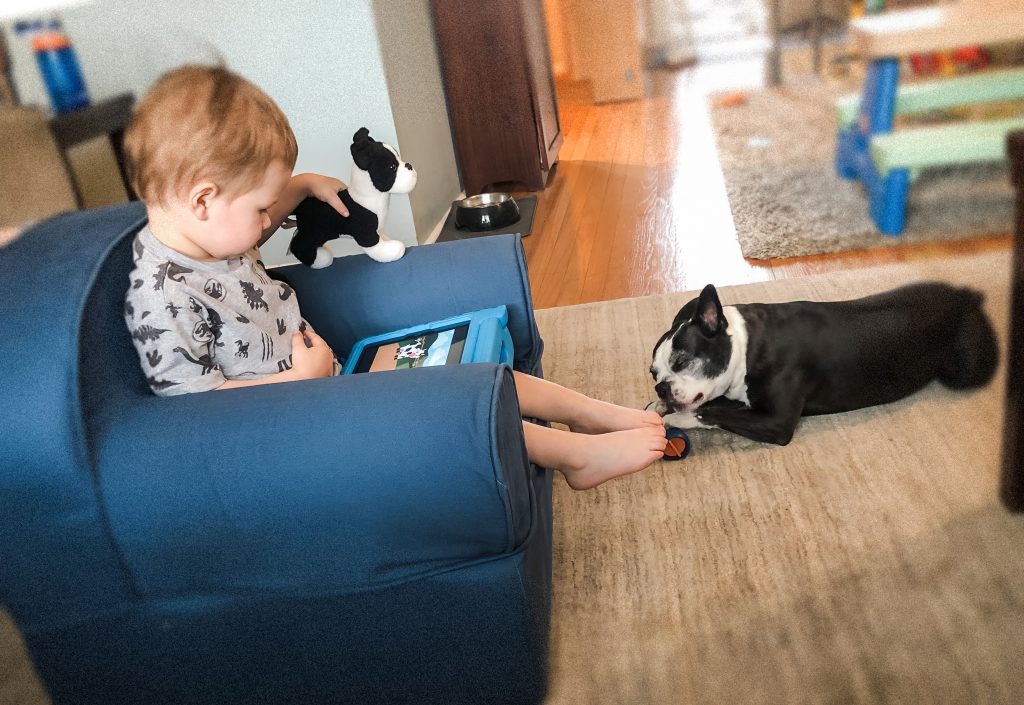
320,62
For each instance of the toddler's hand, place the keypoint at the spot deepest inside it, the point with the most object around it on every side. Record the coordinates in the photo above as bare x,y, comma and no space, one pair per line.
326,189
314,361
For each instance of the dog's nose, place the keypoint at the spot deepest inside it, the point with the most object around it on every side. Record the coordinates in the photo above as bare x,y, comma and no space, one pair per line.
408,166
663,390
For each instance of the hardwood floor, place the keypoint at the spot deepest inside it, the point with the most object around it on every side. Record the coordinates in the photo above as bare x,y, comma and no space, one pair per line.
637,205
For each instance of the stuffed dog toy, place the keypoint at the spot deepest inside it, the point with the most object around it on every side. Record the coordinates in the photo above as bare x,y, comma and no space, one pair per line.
377,172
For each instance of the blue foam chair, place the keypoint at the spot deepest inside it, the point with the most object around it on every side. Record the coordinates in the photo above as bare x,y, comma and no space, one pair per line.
370,538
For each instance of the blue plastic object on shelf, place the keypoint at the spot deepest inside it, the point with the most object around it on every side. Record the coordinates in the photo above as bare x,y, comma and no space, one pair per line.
58,65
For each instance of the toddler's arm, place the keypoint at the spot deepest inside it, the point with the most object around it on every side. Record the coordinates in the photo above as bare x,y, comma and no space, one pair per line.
309,361
300,187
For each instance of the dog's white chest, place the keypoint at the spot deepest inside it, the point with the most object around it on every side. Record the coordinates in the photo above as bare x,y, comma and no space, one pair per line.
737,370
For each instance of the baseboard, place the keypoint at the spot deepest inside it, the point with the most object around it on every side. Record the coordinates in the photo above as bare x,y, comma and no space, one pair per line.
436,232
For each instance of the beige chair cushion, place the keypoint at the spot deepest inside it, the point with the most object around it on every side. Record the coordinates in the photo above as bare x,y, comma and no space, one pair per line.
34,182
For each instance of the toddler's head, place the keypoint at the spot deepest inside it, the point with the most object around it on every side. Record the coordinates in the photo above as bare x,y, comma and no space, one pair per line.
210,146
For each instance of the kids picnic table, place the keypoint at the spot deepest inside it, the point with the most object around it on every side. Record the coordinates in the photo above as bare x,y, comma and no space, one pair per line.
884,159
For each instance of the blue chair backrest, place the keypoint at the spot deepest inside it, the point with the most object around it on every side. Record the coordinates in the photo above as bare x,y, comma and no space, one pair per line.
68,358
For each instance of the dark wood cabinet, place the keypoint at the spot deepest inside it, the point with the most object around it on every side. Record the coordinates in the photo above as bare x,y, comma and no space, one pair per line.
1012,485
500,91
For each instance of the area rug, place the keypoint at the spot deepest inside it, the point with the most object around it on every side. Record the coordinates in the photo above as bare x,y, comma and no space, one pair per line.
867,562
777,153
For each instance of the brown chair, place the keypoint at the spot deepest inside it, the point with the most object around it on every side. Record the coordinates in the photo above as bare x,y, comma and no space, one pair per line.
1011,489
35,181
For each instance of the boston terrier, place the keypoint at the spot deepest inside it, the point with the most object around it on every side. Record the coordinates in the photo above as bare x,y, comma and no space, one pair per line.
377,172
755,369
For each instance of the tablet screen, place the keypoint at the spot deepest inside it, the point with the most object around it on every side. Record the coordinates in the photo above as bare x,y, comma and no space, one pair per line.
417,350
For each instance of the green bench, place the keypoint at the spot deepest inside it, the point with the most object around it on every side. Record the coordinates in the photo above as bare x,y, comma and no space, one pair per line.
922,147
987,87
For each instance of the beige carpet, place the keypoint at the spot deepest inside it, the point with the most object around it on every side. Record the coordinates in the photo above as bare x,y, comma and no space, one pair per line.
867,562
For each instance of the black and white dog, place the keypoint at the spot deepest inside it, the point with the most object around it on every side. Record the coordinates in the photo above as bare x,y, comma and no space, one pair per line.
755,369
377,172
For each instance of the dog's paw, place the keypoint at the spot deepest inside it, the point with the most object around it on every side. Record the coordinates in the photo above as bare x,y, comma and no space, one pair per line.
386,250
658,407
324,258
683,419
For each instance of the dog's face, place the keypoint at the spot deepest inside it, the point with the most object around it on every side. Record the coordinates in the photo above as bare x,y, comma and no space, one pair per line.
387,171
691,359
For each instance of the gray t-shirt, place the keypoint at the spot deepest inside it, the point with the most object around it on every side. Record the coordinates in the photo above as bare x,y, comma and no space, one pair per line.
196,324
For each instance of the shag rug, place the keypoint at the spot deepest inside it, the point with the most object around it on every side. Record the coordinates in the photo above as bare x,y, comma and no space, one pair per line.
777,154
869,561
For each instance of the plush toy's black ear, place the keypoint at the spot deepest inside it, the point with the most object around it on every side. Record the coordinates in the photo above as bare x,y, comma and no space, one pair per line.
362,145
709,316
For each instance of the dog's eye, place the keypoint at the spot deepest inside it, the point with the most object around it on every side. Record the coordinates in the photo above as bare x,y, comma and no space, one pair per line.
679,361
654,374
393,166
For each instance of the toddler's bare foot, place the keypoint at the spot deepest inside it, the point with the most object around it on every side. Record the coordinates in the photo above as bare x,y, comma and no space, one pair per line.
601,417
599,458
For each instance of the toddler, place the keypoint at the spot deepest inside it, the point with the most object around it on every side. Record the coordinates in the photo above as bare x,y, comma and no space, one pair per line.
211,156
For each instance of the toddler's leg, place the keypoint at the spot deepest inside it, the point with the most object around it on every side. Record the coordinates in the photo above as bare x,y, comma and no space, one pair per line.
541,399
588,460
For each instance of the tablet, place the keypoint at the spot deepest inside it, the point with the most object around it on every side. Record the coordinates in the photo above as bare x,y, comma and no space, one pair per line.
477,336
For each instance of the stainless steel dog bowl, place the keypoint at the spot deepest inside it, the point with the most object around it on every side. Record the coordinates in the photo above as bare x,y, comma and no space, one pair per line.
486,211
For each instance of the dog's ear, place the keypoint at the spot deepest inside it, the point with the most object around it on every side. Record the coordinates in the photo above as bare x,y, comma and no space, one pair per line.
362,146
709,316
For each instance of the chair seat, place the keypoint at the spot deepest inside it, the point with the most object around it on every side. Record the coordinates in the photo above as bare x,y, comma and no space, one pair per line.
924,147
34,179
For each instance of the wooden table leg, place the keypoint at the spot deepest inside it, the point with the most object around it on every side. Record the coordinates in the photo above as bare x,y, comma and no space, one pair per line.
117,146
773,62
816,32
1011,489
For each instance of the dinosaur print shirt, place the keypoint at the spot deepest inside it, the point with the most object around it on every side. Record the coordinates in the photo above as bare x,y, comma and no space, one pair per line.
197,323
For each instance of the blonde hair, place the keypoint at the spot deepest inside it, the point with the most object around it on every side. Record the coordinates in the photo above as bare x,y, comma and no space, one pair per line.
204,123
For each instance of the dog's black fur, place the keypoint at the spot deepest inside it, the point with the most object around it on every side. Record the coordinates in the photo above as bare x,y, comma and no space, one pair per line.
804,358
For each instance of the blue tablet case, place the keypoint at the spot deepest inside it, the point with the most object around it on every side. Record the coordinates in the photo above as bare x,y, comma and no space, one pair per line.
487,339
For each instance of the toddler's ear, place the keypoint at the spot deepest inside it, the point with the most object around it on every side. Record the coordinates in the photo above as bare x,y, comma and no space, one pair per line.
199,199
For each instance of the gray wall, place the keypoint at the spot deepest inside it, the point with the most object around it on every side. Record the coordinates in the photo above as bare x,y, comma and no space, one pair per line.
321,62
413,71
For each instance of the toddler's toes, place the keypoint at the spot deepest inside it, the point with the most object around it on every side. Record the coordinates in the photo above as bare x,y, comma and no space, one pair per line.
651,418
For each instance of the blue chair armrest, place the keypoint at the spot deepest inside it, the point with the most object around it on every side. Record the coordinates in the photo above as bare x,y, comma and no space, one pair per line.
326,486
356,297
